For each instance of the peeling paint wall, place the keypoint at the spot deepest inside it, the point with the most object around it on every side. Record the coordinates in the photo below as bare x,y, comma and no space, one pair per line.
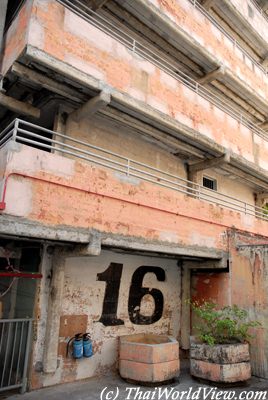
204,33
66,37
245,285
57,191
126,142
83,305
16,37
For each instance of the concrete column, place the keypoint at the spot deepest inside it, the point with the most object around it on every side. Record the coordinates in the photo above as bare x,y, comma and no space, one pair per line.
185,309
41,312
50,358
261,199
60,126
3,11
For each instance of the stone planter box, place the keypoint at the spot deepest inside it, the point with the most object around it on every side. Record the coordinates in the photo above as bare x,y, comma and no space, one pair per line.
145,358
223,363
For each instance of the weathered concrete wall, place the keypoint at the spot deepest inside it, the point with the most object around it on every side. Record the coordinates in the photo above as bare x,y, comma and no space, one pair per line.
250,276
252,15
110,304
57,191
121,140
209,37
246,285
118,139
67,37
16,37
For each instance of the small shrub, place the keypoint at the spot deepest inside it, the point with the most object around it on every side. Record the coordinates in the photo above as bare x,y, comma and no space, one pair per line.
265,209
224,325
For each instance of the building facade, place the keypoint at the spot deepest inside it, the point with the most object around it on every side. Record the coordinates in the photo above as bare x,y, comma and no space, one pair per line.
134,175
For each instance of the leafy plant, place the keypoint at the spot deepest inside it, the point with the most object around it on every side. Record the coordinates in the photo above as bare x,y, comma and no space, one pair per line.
224,325
265,209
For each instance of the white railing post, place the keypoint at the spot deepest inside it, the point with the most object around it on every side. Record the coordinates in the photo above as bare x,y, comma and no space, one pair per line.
128,166
15,129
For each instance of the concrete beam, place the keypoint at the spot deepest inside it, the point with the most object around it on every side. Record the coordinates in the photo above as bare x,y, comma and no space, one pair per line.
160,248
93,248
92,106
207,4
18,106
213,162
264,125
148,114
212,76
264,61
174,145
11,226
209,264
97,4
27,74
263,4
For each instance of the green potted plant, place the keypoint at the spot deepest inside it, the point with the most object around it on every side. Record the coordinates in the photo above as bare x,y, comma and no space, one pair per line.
220,351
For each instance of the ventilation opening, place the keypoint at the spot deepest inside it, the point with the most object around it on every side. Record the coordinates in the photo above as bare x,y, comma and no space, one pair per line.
209,183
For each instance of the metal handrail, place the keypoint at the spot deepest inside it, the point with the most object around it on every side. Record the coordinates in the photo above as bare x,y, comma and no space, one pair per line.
259,9
198,6
152,56
32,135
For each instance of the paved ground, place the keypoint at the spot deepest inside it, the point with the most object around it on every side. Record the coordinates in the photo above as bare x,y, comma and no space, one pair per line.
112,387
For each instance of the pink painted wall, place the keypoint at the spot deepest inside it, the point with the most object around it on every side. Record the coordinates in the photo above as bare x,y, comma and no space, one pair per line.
69,38
191,20
98,198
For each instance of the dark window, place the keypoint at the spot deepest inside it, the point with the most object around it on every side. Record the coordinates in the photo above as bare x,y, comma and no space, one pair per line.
209,183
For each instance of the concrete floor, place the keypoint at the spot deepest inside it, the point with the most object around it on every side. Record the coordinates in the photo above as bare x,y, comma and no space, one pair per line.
112,387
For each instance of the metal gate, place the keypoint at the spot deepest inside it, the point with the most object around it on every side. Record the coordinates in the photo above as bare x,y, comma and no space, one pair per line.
15,340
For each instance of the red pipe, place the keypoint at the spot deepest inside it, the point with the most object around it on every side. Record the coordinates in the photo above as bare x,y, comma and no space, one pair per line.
3,204
21,275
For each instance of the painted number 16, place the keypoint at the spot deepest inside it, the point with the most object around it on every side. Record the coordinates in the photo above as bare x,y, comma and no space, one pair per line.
112,277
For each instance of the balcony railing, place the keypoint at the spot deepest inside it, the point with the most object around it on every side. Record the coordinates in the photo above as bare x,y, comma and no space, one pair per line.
259,9
152,56
213,20
48,140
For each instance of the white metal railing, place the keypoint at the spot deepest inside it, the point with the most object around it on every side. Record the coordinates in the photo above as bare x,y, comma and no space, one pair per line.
213,20
33,135
15,341
259,9
154,57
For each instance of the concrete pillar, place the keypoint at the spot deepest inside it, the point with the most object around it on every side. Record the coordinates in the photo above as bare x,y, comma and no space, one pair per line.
185,309
261,199
60,126
41,312
3,11
50,358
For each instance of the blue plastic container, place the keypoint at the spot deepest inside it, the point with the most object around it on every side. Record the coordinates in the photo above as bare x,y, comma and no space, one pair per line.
87,346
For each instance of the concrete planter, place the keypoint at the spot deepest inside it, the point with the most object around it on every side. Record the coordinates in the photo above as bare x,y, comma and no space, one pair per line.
224,363
145,358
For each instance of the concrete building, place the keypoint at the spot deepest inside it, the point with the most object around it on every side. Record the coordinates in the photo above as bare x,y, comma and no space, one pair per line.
134,175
